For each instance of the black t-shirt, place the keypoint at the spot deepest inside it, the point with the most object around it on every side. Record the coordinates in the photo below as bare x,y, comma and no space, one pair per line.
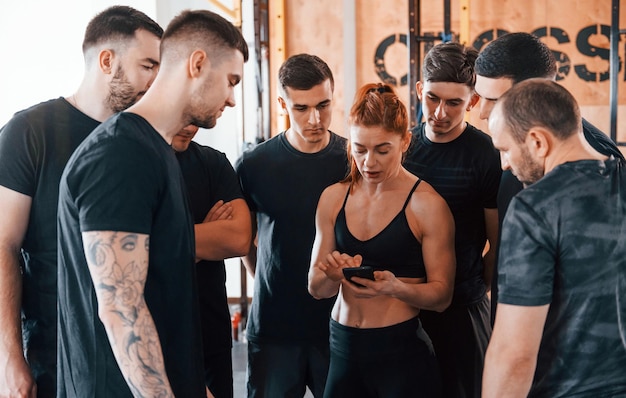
125,177
564,239
283,185
466,173
34,148
209,177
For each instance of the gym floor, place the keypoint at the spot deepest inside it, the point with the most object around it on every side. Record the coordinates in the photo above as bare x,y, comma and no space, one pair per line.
240,361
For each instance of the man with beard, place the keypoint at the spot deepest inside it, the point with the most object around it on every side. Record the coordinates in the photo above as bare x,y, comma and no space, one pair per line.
557,332
121,51
504,62
129,323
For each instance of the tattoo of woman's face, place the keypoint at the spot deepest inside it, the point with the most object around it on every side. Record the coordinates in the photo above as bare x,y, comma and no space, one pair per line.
128,242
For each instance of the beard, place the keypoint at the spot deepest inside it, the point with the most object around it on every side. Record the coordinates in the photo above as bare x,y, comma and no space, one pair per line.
207,122
529,170
203,111
199,113
121,92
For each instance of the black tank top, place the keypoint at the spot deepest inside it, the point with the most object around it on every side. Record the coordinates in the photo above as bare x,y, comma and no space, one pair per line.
394,249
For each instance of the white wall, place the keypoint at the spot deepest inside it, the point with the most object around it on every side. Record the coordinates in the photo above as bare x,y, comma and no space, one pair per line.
41,58
40,48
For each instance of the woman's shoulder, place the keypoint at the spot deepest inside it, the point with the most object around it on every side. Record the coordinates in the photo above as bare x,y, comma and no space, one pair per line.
331,200
336,189
425,197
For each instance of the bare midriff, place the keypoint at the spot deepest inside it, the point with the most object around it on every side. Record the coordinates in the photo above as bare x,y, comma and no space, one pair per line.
374,312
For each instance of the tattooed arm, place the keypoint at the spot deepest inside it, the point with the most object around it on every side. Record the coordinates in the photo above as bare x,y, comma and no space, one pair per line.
118,263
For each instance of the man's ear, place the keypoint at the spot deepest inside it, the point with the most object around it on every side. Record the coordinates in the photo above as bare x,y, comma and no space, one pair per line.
105,61
473,101
283,105
198,61
419,87
539,142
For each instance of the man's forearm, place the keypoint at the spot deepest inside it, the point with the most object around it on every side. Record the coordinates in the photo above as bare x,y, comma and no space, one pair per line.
249,261
218,240
506,379
489,262
15,374
118,263
10,303
489,257
225,232
512,353
137,349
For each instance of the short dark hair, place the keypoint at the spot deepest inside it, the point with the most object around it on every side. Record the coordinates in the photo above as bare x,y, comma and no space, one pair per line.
539,102
517,56
118,23
203,29
450,62
303,71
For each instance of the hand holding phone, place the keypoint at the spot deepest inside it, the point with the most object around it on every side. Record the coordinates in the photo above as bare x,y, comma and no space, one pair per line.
364,271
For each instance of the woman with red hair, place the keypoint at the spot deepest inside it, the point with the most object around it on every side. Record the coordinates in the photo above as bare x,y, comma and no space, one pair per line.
386,218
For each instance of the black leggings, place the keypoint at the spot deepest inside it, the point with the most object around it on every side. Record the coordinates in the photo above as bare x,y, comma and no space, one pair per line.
393,361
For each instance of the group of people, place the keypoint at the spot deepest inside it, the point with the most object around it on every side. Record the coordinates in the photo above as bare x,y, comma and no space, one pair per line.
117,224
112,279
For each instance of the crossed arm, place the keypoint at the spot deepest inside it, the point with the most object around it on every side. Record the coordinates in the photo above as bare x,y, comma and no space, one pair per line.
118,263
15,375
225,232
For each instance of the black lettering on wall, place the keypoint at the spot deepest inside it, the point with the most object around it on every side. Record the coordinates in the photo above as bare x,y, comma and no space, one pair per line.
586,48
563,61
487,36
379,60
564,64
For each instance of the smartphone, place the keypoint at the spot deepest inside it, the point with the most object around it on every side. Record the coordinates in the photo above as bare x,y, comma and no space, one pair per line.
364,271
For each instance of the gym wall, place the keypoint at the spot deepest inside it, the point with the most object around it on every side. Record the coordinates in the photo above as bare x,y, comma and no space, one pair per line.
365,41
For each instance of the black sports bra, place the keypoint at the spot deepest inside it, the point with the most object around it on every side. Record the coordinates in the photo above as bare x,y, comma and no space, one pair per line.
394,249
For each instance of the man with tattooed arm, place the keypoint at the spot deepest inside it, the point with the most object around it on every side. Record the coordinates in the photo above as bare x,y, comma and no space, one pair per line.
128,322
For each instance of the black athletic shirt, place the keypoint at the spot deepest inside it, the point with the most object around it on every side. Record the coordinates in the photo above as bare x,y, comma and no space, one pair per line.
466,173
34,147
282,186
125,177
394,249
209,177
